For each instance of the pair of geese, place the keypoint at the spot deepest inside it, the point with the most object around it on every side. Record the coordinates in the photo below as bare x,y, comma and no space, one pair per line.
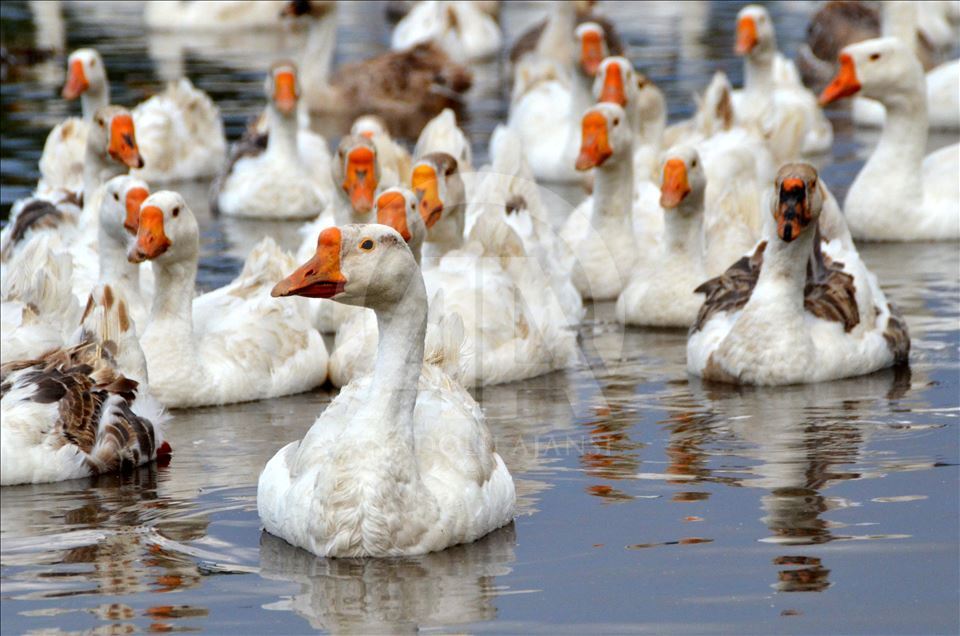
424,495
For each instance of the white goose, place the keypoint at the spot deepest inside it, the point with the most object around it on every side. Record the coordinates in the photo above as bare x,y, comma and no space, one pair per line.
285,180
110,149
660,292
233,344
604,231
795,310
180,130
508,341
463,30
401,462
772,98
899,195
80,410
942,82
442,134
547,101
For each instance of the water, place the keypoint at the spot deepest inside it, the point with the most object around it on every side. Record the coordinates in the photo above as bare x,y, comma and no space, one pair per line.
648,502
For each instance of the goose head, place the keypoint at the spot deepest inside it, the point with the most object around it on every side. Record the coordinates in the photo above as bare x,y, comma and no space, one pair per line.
882,69
593,47
85,74
366,265
369,126
756,37
398,208
282,88
683,180
120,206
437,184
167,231
357,171
797,200
606,137
615,82
112,135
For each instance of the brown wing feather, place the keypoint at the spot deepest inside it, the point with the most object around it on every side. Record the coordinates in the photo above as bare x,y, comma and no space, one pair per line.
251,144
730,290
94,405
897,336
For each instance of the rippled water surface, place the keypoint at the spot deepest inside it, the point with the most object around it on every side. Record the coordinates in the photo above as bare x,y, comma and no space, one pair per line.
649,502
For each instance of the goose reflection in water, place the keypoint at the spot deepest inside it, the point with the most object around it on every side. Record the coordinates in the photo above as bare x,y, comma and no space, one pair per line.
802,451
112,542
452,587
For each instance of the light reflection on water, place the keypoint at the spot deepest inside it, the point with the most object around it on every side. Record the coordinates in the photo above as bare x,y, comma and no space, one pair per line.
648,500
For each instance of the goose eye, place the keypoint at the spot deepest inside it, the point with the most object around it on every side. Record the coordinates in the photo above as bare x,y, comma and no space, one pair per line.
616,121
874,57
176,211
116,197
366,244
93,62
693,164
100,122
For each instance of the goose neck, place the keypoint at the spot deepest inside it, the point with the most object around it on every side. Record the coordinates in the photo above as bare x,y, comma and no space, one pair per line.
613,188
556,41
904,137
784,270
282,142
318,52
93,98
173,295
758,71
682,230
396,373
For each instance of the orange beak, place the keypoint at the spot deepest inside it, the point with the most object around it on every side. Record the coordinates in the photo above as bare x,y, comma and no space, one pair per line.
76,81
595,145
844,84
392,211
424,183
135,198
123,142
675,186
361,180
285,91
151,241
746,35
612,90
591,52
320,277
792,213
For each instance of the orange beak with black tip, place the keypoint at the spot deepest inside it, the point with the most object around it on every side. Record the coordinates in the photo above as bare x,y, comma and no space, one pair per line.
360,182
285,91
392,211
76,81
320,277
123,142
151,239
595,145
135,198
612,90
844,84
792,213
746,35
591,52
675,187
425,186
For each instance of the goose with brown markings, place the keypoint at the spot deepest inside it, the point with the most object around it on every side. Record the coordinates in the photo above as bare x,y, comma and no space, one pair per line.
796,310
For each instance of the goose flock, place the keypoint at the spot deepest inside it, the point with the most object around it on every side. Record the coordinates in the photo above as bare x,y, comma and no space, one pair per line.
421,276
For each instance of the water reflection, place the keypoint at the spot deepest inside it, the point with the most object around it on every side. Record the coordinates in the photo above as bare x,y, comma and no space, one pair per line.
451,587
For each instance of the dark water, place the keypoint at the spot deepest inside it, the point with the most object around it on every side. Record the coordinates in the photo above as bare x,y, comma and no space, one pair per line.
649,502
